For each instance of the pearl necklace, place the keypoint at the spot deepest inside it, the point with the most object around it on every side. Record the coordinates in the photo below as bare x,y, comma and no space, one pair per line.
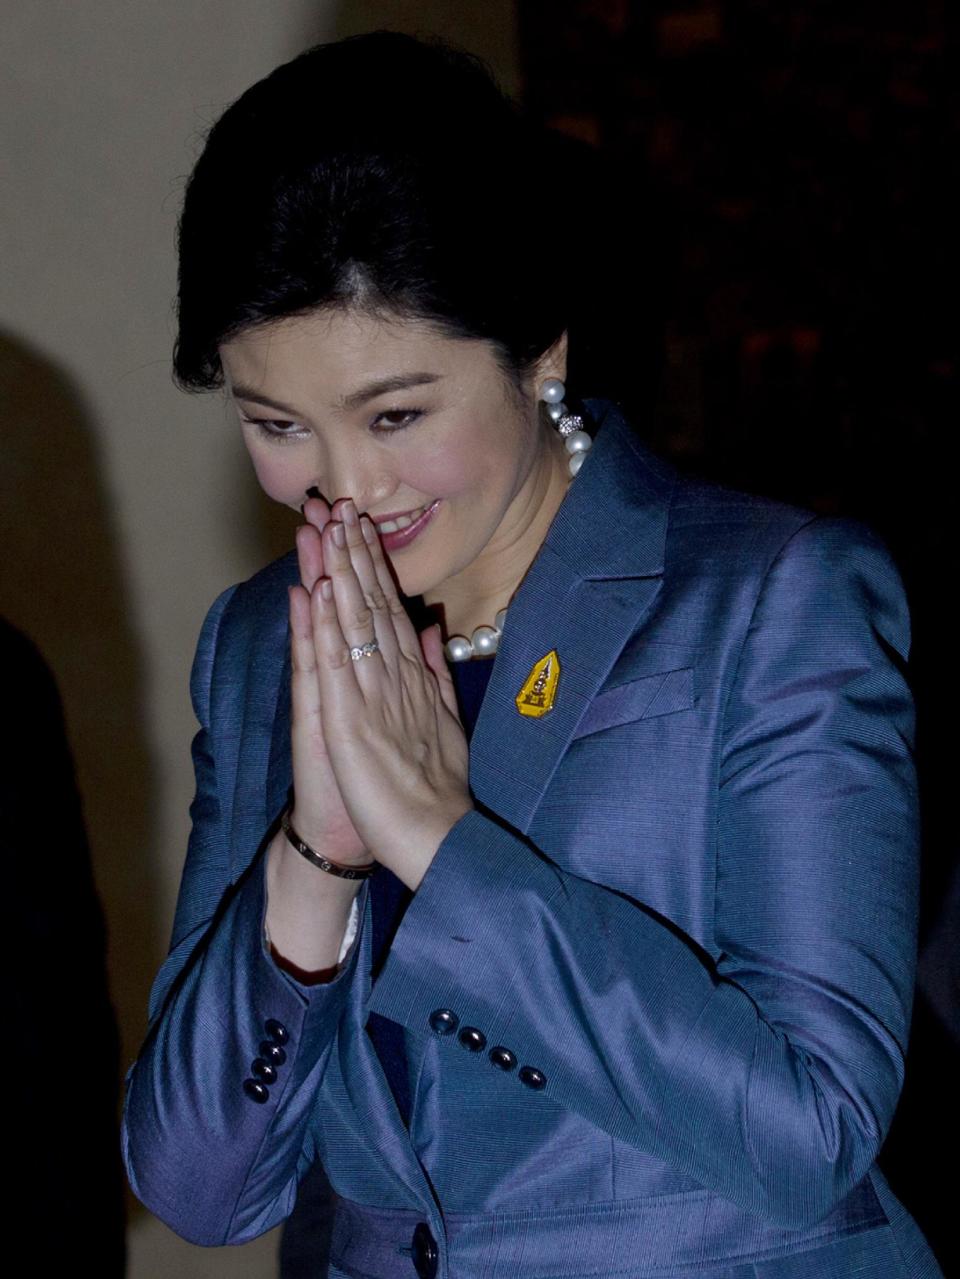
485,640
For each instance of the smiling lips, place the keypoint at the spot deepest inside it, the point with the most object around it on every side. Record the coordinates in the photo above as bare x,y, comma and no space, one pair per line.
397,522
400,530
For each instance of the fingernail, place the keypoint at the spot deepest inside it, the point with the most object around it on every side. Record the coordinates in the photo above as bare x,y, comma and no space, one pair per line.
339,535
326,588
313,491
349,512
369,532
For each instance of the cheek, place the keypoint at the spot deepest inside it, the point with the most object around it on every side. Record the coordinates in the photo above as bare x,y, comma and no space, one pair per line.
450,471
281,478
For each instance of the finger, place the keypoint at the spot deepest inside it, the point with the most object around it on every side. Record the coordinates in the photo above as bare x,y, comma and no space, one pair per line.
309,556
341,698
369,583
318,515
316,512
337,508
432,644
354,615
304,689
406,633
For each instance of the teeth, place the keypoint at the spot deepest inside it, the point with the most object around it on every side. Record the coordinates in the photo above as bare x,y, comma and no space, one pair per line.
402,521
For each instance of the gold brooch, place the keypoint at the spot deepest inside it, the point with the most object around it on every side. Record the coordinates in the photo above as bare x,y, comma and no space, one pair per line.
540,687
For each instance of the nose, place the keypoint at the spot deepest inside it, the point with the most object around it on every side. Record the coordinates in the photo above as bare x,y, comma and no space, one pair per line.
353,473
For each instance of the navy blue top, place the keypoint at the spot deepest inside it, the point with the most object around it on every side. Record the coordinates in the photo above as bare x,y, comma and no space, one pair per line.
389,897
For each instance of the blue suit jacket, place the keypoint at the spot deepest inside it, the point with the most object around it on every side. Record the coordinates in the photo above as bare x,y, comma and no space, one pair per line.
687,897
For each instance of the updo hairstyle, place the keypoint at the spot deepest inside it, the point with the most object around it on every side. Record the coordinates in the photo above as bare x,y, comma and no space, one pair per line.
381,173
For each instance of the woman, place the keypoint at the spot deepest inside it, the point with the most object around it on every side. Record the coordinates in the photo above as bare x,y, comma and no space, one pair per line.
629,991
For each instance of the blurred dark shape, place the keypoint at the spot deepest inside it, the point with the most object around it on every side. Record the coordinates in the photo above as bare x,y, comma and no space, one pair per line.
617,289
796,155
65,1197
790,166
64,581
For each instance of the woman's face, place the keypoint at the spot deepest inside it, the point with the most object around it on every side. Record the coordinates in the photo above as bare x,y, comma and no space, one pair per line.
404,421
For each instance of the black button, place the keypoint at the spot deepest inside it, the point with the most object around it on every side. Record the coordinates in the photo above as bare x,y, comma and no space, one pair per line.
532,1077
425,1252
502,1057
277,1031
272,1053
256,1091
444,1021
473,1039
263,1070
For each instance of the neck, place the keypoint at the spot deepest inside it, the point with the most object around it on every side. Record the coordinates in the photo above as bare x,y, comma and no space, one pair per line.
474,596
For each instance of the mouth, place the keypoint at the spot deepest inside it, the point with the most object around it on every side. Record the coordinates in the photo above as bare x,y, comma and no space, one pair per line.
399,530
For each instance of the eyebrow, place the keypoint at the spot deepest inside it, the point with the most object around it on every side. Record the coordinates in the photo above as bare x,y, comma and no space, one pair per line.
399,382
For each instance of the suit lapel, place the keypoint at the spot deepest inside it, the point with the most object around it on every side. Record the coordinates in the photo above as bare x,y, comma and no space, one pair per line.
592,583
512,756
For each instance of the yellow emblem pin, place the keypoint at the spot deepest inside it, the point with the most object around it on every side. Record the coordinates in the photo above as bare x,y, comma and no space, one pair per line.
540,687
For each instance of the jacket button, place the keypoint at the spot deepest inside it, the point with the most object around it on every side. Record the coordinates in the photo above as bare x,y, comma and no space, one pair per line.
263,1071
502,1057
256,1091
272,1053
425,1252
277,1031
444,1021
532,1077
473,1039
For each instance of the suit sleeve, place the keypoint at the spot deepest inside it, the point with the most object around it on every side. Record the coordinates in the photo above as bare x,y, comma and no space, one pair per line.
211,1161
769,1072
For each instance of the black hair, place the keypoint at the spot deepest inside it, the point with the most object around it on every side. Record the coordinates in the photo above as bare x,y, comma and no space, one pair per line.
381,172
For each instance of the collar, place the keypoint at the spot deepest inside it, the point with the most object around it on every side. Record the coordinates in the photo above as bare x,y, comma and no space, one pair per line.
612,522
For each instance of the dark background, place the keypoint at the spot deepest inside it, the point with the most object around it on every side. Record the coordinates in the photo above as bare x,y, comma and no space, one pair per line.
765,192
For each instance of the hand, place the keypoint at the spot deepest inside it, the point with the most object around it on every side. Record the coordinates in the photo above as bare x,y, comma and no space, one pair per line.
390,723
319,815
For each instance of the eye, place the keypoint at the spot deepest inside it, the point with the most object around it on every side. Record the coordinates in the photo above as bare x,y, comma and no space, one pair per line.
275,428
395,420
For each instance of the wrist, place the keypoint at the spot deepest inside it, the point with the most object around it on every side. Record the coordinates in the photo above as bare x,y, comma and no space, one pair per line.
421,844
307,914
320,861
291,877
298,833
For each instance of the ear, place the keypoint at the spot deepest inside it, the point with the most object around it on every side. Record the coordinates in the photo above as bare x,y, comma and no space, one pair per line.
553,363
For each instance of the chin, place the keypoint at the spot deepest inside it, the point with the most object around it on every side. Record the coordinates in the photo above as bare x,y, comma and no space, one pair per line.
413,583
414,579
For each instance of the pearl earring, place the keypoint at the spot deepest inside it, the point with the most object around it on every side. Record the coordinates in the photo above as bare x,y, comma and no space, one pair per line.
569,425
486,639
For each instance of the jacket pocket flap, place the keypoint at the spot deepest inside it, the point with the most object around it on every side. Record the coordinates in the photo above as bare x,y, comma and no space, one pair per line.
643,698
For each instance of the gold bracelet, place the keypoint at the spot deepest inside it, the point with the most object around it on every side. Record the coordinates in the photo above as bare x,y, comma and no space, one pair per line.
321,862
